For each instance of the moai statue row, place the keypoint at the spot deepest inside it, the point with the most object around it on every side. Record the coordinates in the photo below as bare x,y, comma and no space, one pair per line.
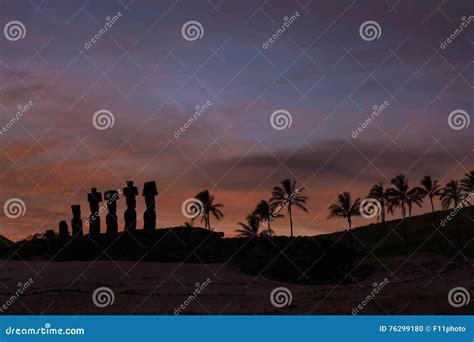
130,192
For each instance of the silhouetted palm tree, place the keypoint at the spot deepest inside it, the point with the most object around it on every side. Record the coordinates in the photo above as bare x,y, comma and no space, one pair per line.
251,228
432,189
209,208
345,208
452,195
401,196
467,183
379,193
288,196
266,214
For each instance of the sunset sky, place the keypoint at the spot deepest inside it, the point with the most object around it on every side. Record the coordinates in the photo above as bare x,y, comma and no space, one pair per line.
320,70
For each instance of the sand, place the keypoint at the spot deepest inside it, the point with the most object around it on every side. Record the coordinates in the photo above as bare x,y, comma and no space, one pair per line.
416,286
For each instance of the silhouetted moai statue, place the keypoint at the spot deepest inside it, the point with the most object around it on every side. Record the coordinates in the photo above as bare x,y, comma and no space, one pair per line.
76,222
130,215
94,198
63,231
149,216
50,238
111,220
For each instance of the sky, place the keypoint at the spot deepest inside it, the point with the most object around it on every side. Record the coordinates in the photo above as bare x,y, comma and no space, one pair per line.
321,72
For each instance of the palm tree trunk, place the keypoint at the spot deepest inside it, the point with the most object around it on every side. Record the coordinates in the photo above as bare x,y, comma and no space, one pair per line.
404,230
269,228
458,231
383,215
438,238
350,232
291,220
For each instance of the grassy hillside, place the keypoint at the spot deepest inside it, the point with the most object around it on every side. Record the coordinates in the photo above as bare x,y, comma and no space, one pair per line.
421,235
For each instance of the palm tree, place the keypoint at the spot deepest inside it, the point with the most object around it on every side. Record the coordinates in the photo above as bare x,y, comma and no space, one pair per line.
467,184
345,208
209,207
452,194
266,213
251,228
288,196
379,193
401,196
432,189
